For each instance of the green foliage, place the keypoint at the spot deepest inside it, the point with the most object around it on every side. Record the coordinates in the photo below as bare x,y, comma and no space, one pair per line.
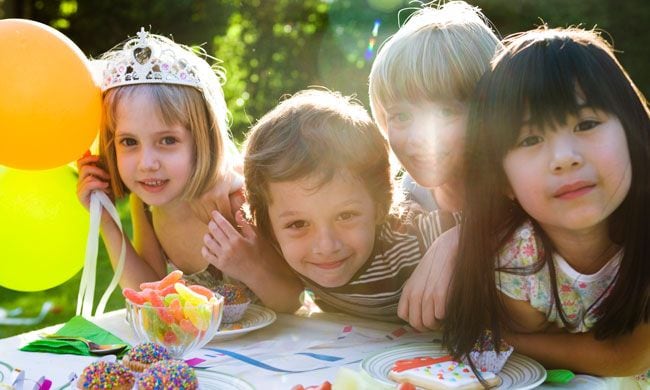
266,57
270,48
274,48
623,23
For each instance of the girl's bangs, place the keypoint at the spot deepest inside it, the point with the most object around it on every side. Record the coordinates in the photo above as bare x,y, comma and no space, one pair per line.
542,82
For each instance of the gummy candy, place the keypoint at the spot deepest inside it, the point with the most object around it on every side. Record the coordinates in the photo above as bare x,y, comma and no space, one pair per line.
172,313
167,290
169,298
133,296
206,292
190,296
188,327
199,316
170,337
170,279
177,310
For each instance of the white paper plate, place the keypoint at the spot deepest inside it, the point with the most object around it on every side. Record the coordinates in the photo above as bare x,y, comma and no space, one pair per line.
580,382
5,372
256,317
218,380
520,372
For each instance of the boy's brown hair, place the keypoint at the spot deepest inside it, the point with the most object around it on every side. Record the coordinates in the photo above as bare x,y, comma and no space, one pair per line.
315,132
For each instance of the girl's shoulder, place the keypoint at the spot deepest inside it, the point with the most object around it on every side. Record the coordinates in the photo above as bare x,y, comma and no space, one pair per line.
521,249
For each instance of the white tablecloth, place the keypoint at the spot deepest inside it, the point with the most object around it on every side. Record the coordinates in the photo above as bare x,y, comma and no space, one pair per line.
293,350
288,344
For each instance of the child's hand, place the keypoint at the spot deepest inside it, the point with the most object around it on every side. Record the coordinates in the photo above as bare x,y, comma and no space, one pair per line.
232,252
424,297
91,177
225,197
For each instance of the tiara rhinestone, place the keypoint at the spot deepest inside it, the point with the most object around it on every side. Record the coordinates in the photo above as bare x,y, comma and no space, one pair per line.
150,59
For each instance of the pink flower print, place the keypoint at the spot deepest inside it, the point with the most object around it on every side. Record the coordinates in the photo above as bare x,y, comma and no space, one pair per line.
565,288
529,250
582,285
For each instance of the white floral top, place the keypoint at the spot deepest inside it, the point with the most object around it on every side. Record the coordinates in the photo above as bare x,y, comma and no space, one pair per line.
578,292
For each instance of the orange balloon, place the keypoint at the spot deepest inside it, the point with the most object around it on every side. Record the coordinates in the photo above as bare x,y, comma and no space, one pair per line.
50,106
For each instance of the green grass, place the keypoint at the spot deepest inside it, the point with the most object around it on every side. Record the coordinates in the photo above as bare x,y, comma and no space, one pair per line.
64,296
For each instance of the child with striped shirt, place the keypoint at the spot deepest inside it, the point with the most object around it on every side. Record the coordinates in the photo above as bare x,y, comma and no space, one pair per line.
319,187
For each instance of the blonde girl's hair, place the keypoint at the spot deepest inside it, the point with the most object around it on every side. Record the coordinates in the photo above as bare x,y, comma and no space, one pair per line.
438,54
201,109
176,104
315,133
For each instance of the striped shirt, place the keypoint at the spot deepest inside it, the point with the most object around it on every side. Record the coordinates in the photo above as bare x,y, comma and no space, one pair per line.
400,242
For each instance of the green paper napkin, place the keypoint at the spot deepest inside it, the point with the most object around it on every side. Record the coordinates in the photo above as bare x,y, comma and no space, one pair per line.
77,326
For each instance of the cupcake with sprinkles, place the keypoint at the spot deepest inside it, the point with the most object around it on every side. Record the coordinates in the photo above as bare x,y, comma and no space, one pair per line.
140,357
168,375
485,356
236,301
106,375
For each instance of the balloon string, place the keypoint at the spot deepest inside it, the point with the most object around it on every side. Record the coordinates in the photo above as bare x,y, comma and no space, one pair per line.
108,205
85,300
98,200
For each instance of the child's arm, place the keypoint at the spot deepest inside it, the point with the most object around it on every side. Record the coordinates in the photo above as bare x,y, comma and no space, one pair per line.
136,271
253,261
424,296
581,352
523,317
226,197
625,355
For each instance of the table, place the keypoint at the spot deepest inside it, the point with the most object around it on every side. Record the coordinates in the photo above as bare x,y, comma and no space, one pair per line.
317,346
279,345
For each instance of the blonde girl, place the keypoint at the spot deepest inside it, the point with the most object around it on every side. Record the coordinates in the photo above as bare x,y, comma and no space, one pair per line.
164,142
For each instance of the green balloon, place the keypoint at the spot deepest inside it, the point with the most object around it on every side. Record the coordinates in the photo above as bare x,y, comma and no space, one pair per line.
43,228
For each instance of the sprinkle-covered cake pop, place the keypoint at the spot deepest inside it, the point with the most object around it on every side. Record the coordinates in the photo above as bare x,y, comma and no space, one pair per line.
168,374
143,355
106,375
236,301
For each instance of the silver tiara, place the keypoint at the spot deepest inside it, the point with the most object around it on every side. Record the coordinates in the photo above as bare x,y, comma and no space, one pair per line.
150,59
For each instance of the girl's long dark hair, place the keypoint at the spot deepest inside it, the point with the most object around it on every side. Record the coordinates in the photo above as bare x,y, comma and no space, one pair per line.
539,72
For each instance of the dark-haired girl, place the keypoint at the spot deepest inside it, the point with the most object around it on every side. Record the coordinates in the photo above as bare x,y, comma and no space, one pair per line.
555,246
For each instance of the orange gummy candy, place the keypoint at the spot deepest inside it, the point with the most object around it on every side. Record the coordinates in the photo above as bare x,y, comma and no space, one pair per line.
170,279
206,292
133,296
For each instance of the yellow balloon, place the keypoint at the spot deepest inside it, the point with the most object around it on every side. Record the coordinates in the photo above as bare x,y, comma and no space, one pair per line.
43,228
49,103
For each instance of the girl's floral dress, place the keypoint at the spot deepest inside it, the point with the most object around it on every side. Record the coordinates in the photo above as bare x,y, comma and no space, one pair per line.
579,293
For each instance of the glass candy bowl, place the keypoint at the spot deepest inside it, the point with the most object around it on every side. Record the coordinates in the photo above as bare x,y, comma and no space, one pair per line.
181,329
